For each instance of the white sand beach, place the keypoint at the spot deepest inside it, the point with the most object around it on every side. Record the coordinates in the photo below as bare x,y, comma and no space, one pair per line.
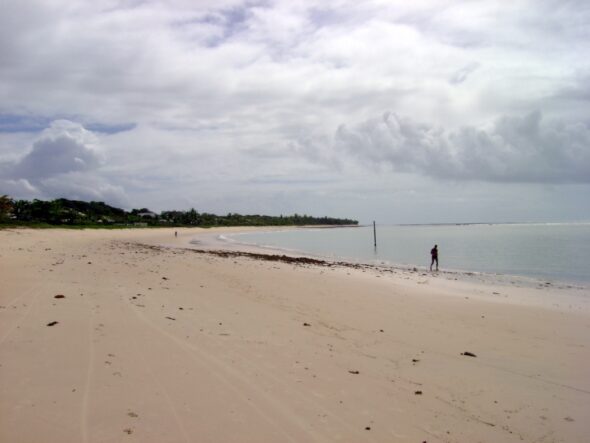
153,343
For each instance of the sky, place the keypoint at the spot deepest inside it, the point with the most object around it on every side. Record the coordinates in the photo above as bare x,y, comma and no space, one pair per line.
400,112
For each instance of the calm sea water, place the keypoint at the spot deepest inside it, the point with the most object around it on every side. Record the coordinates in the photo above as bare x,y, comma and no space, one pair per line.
548,251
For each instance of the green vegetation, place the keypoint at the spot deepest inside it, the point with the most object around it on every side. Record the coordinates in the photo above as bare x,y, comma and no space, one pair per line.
6,206
73,213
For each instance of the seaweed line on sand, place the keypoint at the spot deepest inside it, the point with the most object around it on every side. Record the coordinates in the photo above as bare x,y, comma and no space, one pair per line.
300,260
504,280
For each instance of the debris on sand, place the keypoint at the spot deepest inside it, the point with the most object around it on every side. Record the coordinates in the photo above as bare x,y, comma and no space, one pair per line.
354,372
468,354
53,323
170,318
59,296
306,324
417,392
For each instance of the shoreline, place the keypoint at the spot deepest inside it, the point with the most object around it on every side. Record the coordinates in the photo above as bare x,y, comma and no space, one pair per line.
531,277
528,288
116,336
492,278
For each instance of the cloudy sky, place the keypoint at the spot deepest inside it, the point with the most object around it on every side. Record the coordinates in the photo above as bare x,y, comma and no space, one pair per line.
388,110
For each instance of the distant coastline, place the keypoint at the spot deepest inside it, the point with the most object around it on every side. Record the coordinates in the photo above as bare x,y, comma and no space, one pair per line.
491,223
80,214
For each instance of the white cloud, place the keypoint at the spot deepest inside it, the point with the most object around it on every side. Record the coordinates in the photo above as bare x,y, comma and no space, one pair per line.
82,186
63,162
63,147
512,149
462,74
219,92
20,188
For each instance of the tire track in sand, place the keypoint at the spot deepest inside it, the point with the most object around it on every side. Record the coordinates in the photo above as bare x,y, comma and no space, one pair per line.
89,376
229,380
158,382
269,375
34,289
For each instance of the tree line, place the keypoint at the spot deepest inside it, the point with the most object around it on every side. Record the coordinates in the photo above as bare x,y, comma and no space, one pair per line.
80,213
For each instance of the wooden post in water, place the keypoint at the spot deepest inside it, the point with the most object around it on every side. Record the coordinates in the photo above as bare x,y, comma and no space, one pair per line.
374,234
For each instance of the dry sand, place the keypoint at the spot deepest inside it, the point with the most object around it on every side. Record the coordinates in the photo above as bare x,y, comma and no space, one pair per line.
157,344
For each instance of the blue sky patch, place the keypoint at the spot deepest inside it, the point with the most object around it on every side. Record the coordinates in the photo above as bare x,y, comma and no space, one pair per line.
10,123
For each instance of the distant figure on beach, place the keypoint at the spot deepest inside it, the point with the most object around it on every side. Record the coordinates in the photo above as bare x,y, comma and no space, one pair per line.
434,255
175,233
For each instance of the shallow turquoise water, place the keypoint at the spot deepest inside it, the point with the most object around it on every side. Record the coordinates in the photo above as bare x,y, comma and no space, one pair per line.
551,251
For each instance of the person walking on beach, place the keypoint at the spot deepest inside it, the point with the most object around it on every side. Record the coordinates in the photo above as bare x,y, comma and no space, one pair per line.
434,255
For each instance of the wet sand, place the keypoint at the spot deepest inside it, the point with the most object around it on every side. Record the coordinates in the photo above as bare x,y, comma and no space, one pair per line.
129,335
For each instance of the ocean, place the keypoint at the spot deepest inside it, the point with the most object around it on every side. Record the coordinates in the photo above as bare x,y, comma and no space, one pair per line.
553,251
